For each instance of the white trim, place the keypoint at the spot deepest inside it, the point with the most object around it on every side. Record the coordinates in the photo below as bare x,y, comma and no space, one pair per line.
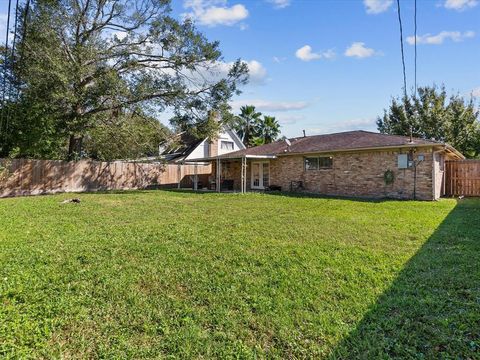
236,138
261,185
376,148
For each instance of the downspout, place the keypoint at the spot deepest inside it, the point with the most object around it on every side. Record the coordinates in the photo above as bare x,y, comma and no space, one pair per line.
434,178
414,180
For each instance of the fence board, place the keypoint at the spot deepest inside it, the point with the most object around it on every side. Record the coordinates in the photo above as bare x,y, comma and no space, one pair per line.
33,177
463,178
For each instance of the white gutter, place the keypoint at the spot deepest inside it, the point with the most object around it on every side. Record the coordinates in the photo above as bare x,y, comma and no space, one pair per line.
237,157
379,148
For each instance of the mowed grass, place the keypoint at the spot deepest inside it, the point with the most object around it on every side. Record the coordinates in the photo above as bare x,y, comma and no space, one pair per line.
161,274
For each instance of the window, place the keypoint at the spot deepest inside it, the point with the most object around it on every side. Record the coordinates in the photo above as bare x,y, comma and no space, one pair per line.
402,161
325,162
405,161
318,163
226,145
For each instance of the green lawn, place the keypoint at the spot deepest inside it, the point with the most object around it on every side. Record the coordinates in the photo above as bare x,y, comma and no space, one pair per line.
180,275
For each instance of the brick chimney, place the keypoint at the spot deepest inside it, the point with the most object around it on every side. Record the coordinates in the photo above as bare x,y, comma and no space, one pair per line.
213,147
213,143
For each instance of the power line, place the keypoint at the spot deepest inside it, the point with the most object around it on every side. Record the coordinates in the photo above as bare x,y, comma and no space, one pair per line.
401,47
12,68
24,32
415,21
5,65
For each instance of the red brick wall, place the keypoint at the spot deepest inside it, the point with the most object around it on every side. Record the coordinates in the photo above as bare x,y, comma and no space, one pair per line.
357,174
353,174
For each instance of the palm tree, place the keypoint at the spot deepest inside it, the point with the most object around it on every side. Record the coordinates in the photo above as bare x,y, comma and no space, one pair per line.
269,129
246,122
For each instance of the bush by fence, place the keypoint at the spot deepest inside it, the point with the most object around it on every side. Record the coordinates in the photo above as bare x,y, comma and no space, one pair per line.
33,177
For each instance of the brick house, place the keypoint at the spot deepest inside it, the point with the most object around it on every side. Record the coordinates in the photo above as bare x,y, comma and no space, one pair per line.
354,163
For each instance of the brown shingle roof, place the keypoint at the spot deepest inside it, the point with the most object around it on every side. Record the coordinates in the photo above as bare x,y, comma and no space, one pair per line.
349,140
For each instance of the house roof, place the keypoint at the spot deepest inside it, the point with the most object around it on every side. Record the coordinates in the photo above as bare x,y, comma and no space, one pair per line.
179,146
344,141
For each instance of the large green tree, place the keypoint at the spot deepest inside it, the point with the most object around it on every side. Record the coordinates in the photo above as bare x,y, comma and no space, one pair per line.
128,135
78,63
432,114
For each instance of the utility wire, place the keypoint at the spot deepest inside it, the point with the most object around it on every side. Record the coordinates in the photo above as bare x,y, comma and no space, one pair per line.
415,21
401,47
24,32
12,69
5,65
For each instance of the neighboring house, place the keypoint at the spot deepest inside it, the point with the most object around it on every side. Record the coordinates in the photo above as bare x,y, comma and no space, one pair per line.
182,148
354,163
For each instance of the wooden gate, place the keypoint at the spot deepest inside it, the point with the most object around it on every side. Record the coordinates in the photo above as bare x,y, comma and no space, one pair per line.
462,178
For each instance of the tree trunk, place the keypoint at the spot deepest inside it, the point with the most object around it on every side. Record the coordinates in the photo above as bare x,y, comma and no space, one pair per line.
74,147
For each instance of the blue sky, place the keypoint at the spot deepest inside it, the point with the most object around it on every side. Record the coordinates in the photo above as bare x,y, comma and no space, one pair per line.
327,66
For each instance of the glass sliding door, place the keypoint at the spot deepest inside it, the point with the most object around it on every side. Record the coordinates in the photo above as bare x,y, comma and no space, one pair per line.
265,174
260,175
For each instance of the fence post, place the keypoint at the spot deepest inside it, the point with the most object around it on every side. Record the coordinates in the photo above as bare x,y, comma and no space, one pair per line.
179,175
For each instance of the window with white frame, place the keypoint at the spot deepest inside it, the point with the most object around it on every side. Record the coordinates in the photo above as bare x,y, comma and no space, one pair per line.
318,163
226,145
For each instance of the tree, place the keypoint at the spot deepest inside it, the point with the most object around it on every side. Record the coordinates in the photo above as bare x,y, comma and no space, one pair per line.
79,63
254,130
245,123
432,115
127,136
268,129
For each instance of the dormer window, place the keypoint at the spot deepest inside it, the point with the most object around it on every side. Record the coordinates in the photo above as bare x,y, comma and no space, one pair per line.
226,145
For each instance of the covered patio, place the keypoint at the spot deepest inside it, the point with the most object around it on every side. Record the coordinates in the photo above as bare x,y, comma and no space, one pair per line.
240,173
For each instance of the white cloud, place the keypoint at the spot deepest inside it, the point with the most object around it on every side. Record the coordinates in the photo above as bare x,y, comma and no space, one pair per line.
460,5
288,119
476,92
278,59
120,35
280,4
359,50
348,125
377,6
257,73
305,53
438,39
267,105
215,12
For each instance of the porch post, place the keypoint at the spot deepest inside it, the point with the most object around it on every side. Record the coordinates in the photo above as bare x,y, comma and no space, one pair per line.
241,176
244,180
195,177
219,164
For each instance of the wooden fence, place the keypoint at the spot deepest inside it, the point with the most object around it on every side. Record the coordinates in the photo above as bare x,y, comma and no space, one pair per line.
33,177
462,178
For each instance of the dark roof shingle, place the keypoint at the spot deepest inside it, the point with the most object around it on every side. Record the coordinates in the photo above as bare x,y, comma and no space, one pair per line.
349,140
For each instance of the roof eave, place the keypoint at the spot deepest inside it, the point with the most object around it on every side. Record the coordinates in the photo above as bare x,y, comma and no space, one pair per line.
235,157
392,147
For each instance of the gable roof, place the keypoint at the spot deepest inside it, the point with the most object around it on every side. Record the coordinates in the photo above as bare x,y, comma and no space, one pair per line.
344,141
179,146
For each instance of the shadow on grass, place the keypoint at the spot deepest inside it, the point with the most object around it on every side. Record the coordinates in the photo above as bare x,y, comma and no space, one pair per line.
303,195
298,195
432,309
